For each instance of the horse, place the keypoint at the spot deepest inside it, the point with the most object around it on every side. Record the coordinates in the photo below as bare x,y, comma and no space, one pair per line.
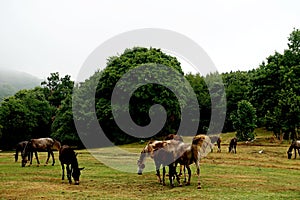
295,145
40,144
19,148
192,153
162,157
232,145
219,145
68,157
174,137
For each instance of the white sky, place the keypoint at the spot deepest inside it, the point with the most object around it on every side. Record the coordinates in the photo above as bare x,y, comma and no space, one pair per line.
40,37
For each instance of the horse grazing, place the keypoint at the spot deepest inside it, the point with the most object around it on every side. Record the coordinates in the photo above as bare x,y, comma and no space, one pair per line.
162,157
68,157
232,145
19,148
40,144
192,153
295,145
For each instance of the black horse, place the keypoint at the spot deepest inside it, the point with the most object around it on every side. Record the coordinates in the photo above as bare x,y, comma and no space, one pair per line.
232,145
295,145
40,144
69,157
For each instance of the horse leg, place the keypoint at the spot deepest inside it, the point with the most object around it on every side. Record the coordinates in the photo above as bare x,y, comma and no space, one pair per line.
189,174
171,174
164,175
198,174
69,174
48,151
16,155
37,158
157,165
295,153
184,173
63,171
52,154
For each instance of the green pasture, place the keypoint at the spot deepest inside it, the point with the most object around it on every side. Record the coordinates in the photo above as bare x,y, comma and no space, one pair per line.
245,175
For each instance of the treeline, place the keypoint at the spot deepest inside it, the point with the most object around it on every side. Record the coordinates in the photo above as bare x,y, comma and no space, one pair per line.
268,96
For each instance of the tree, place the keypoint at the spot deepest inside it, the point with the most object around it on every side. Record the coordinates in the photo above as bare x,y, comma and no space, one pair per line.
237,87
244,121
57,89
25,115
144,97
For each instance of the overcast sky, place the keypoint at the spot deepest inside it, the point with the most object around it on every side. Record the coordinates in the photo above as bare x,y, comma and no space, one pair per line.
40,37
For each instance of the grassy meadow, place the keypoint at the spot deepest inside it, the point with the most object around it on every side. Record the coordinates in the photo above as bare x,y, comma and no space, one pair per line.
245,175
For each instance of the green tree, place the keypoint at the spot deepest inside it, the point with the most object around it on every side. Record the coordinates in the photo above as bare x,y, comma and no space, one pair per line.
244,121
56,89
237,87
25,115
144,97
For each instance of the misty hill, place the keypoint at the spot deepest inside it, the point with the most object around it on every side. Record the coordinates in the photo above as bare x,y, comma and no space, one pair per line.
13,81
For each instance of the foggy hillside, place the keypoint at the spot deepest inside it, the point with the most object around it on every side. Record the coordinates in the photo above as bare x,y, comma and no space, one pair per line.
13,81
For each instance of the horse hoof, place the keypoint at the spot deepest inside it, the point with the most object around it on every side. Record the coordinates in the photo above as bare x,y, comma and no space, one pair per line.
199,187
187,184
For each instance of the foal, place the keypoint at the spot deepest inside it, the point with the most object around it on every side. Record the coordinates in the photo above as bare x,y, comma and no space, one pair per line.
295,145
68,156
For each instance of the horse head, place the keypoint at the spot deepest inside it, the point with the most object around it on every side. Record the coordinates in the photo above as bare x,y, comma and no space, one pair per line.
142,159
26,153
76,174
289,153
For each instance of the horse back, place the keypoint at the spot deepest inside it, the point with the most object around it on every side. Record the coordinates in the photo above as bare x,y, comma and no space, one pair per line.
66,155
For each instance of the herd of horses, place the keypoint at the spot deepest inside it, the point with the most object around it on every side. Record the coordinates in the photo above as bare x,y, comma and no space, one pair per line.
173,151
166,153
67,156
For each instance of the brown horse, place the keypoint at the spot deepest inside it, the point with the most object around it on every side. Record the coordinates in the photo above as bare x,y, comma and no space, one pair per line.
219,145
200,147
295,145
40,144
68,157
232,145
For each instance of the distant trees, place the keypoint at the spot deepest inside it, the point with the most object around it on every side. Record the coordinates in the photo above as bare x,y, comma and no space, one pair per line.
268,96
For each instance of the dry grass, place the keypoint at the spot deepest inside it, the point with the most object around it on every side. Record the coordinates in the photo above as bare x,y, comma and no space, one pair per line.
245,175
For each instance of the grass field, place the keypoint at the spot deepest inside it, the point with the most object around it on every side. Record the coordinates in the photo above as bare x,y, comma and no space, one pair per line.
245,175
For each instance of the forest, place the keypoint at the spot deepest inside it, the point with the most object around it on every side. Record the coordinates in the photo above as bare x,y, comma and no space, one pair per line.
267,96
